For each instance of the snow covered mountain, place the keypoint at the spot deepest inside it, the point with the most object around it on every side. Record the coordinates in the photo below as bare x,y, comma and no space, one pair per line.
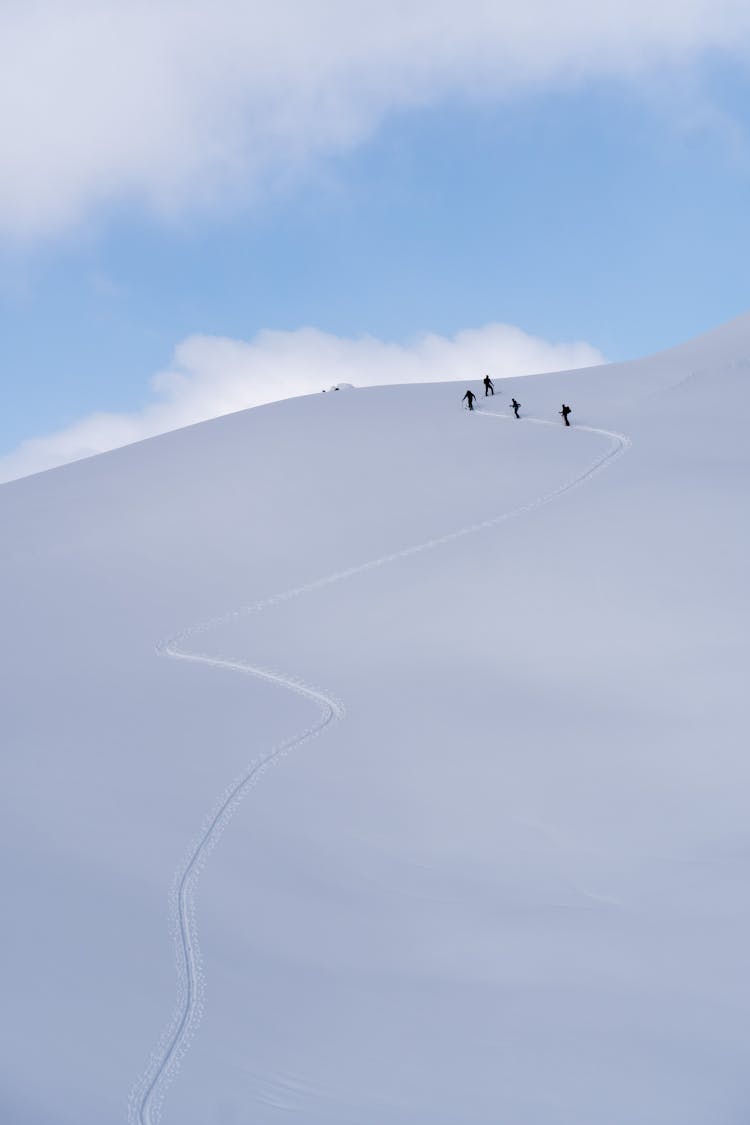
507,882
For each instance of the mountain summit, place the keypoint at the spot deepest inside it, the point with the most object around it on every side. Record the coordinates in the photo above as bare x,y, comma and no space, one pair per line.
506,881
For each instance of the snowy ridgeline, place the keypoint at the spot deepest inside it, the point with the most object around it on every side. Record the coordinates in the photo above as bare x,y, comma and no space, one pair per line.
506,882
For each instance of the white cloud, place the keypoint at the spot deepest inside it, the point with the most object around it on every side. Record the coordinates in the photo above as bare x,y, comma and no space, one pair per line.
184,103
211,375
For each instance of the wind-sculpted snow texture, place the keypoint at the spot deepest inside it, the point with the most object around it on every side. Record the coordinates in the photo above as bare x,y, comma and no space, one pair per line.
146,1101
510,885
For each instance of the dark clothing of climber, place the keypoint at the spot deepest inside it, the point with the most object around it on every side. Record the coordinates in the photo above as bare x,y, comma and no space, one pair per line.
469,397
565,412
515,406
489,386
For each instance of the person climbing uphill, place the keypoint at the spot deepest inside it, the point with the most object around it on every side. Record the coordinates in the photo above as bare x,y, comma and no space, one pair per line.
469,397
565,412
489,386
515,406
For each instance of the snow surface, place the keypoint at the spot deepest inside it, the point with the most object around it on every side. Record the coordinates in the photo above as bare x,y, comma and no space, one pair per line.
507,882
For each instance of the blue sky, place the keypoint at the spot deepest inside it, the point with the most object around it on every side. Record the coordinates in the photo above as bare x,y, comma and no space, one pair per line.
612,211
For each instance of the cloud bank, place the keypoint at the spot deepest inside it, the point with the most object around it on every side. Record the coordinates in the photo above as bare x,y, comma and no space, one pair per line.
211,375
177,104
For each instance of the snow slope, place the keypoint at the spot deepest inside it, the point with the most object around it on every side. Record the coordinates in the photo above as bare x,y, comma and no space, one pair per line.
507,882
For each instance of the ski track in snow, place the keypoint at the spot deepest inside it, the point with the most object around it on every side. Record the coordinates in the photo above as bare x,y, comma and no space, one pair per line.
148,1095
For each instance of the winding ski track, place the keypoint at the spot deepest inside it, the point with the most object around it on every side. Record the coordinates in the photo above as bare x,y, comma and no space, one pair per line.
147,1097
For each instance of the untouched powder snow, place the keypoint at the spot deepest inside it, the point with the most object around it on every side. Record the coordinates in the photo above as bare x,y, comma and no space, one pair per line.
507,881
